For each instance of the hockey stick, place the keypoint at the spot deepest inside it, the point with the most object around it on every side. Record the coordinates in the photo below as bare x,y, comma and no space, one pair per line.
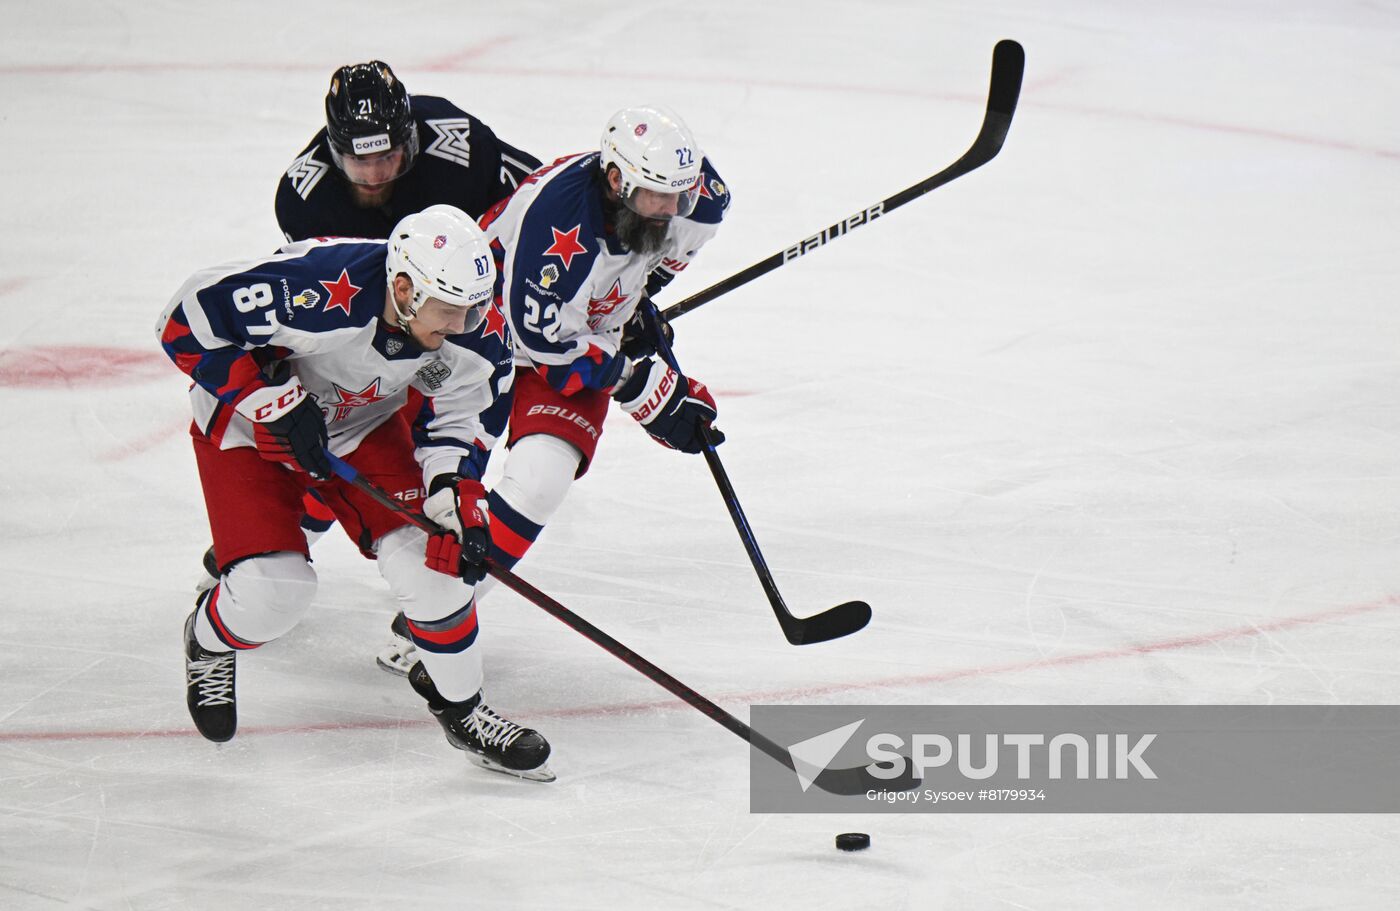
1008,63
833,623
845,781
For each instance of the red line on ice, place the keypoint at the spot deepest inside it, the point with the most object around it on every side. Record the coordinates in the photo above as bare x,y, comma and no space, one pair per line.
759,696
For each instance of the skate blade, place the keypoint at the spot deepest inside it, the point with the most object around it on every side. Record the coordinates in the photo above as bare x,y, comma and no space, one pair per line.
396,660
541,773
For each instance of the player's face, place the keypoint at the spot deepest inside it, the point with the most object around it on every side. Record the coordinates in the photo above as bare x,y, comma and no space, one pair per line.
373,172
651,204
436,320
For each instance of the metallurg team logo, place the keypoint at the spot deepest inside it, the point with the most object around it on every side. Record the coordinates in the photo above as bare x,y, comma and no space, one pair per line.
453,140
306,171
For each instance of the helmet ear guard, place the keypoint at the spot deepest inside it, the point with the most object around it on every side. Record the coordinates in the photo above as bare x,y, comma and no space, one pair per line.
653,149
446,257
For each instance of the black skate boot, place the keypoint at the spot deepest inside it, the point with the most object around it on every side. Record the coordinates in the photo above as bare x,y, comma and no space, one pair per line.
210,577
399,655
209,688
489,740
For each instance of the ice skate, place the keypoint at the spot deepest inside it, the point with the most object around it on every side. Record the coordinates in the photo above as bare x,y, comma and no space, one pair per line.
489,740
209,688
399,655
209,576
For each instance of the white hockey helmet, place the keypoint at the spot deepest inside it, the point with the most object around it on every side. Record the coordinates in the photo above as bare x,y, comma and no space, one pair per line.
654,150
446,256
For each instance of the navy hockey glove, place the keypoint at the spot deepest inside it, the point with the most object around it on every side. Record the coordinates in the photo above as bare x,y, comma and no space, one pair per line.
458,506
288,426
674,410
639,335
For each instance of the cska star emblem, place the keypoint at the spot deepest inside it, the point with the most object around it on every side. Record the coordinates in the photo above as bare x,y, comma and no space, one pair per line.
599,307
566,245
342,292
347,400
494,324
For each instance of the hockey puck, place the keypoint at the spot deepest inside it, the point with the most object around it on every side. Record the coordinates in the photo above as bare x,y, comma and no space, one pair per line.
852,841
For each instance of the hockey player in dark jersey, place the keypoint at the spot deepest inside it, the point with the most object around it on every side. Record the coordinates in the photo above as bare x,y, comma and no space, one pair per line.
385,154
580,247
316,347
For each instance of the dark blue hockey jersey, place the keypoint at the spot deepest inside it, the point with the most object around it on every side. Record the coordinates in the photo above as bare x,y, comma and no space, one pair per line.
460,162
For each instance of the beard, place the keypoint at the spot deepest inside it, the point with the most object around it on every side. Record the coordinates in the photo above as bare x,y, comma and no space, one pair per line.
641,235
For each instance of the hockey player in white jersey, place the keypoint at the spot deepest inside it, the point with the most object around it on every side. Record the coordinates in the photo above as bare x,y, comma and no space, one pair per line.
581,246
315,347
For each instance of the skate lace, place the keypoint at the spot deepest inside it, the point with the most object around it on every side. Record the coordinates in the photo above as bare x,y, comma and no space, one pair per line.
493,729
214,679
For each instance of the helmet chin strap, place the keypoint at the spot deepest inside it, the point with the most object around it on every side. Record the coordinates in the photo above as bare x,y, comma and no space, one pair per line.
404,318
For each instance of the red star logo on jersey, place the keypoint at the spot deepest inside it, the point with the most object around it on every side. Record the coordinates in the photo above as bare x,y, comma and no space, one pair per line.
602,306
704,190
346,400
566,245
495,323
342,292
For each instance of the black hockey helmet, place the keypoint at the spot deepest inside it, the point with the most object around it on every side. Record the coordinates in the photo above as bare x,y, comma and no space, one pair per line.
368,112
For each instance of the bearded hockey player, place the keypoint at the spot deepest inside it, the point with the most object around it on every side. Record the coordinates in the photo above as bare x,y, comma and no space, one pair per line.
580,247
316,346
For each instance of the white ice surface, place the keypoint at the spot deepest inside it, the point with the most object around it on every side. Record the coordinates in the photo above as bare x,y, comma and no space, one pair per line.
1111,420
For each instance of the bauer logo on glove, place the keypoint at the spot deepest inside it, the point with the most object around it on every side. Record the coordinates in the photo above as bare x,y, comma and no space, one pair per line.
672,408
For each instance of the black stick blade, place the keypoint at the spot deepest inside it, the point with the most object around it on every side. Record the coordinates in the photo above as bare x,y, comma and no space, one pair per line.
1008,67
858,780
841,620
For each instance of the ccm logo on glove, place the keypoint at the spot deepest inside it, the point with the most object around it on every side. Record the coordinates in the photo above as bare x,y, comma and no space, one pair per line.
280,404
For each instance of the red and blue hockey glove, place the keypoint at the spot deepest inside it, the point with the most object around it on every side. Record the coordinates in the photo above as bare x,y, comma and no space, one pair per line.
458,505
288,426
640,332
674,410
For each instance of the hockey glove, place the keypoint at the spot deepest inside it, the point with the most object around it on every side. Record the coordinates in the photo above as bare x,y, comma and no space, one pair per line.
288,426
674,410
458,506
639,335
